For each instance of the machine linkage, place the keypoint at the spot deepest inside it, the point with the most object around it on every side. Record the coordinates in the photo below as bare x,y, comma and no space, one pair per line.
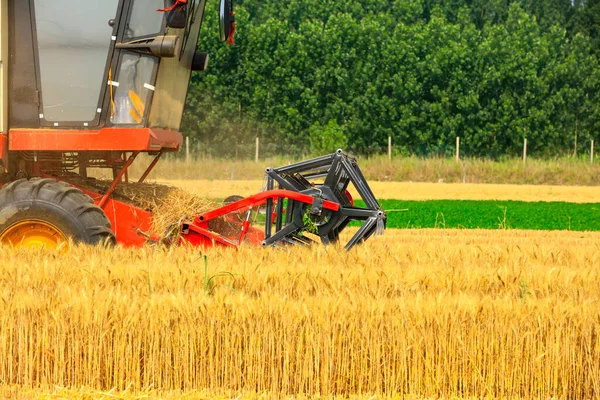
302,202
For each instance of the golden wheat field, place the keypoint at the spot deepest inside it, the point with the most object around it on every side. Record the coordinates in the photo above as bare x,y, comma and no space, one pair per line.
415,313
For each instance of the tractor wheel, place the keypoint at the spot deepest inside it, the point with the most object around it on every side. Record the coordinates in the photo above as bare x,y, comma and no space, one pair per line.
241,216
46,213
233,199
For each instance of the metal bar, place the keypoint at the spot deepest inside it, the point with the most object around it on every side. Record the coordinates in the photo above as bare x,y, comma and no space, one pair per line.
302,239
306,165
269,211
151,167
361,185
289,211
299,181
316,175
284,184
362,233
127,170
279,215
333,176
117,179
288,230
341,226
358,213
82,165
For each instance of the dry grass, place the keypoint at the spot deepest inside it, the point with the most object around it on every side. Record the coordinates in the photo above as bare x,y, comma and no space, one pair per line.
422,313
415,191
562,171
565,171
176,205
168,203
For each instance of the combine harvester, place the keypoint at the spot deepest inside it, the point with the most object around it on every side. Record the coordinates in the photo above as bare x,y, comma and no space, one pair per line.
95,83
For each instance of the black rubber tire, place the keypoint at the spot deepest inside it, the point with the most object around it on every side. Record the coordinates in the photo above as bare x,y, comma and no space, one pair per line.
56,203
233,199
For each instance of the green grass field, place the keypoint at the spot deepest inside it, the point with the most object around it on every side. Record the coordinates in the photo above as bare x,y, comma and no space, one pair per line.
468,214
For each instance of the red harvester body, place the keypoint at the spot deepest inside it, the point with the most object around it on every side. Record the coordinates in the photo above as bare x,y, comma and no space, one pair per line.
93,85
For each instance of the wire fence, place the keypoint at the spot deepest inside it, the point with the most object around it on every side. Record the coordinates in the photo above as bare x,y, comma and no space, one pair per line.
262,148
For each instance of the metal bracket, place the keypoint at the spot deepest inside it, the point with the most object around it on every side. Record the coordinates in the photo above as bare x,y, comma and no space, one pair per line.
317,207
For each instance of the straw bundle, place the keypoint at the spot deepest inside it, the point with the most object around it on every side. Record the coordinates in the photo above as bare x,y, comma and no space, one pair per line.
168,204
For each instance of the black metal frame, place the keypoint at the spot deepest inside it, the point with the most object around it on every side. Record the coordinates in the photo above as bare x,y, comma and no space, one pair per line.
339,171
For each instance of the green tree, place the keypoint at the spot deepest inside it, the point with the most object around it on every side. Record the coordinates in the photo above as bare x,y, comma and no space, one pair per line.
327,139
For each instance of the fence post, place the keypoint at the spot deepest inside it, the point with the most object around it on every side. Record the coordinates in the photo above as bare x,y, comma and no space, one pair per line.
457,148
592,153
257,149
187,149
524,151
389,148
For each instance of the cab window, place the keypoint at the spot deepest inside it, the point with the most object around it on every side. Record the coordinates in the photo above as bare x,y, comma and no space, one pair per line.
72,49
144,19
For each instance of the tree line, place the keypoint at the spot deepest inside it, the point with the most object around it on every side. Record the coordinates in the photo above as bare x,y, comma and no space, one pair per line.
309,76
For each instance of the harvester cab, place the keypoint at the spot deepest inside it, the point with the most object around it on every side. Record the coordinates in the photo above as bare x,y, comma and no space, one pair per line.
94,84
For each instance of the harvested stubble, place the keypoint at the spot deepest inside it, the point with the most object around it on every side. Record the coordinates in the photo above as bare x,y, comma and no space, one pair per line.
424,313
416,191
561,171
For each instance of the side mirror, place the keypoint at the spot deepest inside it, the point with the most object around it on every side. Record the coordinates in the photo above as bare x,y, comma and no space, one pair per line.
226,21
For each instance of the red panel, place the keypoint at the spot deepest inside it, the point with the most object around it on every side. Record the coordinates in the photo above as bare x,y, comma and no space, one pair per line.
126,220
3,147
197,236
106,139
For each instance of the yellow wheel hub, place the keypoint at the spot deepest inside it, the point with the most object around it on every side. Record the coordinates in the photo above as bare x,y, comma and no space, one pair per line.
33,234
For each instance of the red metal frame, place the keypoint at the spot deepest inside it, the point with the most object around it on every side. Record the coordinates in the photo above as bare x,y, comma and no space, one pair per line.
150,167
198,233
258,199
193,235
117,179
4,148
132,224
106,139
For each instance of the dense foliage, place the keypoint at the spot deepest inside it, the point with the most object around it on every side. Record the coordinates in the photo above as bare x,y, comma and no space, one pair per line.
422,71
